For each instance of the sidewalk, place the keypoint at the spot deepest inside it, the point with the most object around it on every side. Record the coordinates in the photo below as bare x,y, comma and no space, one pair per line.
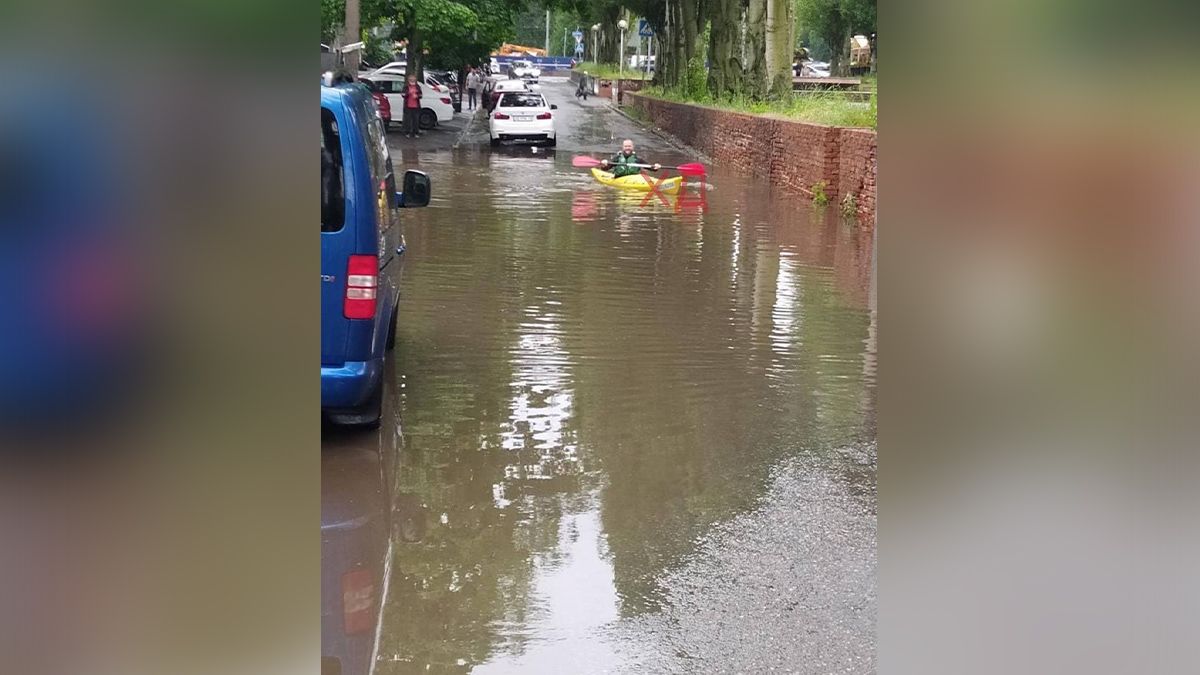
441,137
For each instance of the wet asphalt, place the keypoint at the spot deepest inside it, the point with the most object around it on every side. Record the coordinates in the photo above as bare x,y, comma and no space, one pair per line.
627,436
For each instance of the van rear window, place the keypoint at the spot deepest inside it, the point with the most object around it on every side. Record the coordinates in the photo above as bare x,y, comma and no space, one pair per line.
333,196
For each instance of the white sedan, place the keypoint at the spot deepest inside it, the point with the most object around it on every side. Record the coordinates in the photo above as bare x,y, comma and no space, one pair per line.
525,70
436,106
522,115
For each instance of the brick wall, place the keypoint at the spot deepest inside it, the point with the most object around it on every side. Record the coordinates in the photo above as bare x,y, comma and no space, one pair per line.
794,155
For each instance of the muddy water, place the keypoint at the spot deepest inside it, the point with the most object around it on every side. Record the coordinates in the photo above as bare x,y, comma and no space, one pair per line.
597,398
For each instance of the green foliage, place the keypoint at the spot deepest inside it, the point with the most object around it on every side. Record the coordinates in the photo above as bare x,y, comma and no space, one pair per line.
826,22
455,32
825,108
819,198
333,15
378,50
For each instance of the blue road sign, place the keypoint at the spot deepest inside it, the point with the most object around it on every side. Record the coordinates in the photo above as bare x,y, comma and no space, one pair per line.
579,48
644,28
578,35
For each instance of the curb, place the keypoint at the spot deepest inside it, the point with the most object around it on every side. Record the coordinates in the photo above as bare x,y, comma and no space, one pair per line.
466,129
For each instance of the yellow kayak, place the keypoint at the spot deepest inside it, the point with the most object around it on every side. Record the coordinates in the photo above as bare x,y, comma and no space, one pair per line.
668,186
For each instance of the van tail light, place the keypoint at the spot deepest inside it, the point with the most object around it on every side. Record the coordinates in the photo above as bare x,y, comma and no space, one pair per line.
500,116
544,116
446,100
358,597
362,284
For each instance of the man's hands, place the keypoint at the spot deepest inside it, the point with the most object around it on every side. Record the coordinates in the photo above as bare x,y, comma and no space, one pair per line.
656,167
604,163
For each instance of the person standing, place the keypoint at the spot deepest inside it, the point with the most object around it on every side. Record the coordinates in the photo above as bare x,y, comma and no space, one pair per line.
472,87
412,107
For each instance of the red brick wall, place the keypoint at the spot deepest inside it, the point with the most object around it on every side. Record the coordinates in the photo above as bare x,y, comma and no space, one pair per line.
795,155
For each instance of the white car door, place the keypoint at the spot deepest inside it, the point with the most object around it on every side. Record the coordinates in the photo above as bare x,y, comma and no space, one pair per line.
393,91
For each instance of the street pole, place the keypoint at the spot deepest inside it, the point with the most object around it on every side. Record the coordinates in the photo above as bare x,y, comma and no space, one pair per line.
547,32
621,55
351,35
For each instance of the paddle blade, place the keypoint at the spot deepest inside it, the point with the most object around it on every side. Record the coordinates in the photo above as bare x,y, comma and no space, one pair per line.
583,162
694,169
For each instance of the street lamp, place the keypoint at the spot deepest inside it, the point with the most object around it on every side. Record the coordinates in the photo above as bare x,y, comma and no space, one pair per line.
595,47
622,24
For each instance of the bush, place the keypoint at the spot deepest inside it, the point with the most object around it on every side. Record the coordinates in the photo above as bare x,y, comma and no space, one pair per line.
818,191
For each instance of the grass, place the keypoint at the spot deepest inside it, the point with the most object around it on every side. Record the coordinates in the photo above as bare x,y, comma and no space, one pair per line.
820,108
608,71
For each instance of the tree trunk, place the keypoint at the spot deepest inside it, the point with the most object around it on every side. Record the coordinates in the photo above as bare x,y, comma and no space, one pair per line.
840,62
416,60
725,74
687,18
754,50
610,35
780,43
668,60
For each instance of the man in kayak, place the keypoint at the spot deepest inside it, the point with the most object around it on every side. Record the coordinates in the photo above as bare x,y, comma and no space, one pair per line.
621,162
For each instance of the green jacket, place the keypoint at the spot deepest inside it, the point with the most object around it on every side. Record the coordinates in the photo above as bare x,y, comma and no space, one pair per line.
619,164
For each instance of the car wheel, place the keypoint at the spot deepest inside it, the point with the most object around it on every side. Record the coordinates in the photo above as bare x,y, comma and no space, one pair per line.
495,142
428,119
552,142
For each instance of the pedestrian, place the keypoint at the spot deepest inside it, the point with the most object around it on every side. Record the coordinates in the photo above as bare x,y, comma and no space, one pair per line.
472,87
412,107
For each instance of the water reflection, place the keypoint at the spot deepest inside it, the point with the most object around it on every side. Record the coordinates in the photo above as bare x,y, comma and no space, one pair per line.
582,403
537,431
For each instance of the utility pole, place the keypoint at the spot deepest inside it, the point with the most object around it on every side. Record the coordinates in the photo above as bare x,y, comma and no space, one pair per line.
352,34
547,32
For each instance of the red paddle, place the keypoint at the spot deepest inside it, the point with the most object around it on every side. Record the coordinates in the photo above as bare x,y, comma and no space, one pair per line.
693,169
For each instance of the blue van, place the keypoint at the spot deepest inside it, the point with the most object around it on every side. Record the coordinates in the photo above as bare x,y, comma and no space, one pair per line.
360,246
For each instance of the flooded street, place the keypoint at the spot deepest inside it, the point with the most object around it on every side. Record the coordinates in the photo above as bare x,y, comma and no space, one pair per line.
629,437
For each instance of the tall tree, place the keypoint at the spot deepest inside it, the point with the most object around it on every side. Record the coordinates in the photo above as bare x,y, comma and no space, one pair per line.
725,33
780,44
754,48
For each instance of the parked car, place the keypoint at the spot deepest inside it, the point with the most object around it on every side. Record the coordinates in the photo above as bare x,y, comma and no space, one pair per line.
522,115
436,106
361,242
381,102
524,70
450,81
637,62
814,69
503,87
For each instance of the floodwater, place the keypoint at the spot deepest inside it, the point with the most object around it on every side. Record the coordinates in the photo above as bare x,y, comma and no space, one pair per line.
641,435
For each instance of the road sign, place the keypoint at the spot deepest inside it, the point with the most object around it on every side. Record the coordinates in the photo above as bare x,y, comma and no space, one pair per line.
579,48
578,35
644,28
